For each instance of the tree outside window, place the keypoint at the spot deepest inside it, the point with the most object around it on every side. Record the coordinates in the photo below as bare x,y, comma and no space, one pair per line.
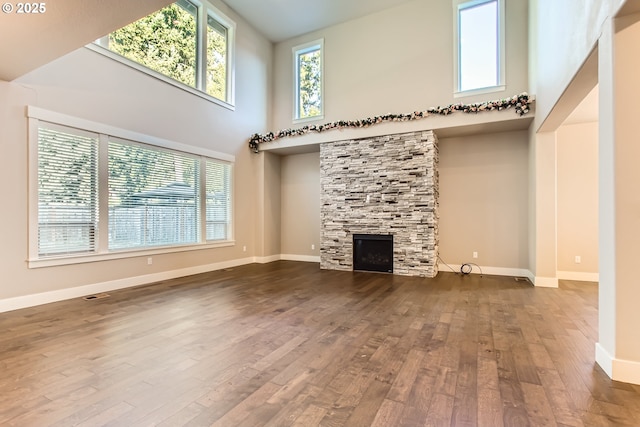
168,41
309,79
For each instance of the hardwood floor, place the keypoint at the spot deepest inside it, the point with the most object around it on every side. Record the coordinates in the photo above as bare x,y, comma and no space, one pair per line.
286,344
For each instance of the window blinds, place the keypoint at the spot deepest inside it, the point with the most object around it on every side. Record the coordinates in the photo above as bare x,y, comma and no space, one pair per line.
218,207
67,191
153,196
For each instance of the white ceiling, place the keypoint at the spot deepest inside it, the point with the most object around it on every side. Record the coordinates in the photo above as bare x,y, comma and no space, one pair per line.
280,20
30,41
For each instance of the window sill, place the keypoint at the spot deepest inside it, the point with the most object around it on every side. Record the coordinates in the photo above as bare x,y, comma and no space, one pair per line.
480,91
308,119
132,64
123,254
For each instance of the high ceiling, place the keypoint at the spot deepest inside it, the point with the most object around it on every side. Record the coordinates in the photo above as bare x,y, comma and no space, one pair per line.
280,20
30,41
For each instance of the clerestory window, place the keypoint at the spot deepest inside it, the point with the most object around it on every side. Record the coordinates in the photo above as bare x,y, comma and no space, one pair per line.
308,81
479,46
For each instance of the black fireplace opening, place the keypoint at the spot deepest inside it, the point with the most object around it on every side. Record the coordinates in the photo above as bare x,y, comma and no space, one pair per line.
373,252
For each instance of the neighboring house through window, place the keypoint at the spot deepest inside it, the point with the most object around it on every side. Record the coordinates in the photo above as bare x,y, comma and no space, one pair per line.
99,191
479,46
189,42
308,81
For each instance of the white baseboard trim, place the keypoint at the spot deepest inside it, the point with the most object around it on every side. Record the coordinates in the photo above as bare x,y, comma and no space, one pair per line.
267,259
25,301
627,371
578,276
545,282
604,359
531,277
492,271
32,300
304,258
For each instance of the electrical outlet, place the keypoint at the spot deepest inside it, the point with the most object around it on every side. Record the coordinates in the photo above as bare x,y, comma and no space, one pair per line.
578,259
244,249
149,260
313,247
475,254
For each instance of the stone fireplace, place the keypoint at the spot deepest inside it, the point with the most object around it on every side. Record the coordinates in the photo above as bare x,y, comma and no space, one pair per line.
385,185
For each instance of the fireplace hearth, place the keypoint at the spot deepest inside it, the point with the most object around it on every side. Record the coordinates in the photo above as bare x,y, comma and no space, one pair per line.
373,252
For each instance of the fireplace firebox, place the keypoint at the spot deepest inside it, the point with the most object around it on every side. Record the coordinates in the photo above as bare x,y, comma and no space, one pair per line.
373,252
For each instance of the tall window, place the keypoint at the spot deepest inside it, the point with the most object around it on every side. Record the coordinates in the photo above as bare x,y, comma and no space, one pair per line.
308,76
67,191
218,204
169,42
479,45
217,41
97,193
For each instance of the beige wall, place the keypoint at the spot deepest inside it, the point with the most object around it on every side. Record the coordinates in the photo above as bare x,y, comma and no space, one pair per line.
484,199
88,85
568,32
618,348
269,217
395,61
577,211
408,67
300,189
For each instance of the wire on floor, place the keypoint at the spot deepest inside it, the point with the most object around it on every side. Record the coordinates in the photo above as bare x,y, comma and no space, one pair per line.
465,268
450,268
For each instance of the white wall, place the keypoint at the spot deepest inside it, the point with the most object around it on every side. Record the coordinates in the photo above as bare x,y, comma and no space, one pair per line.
577,210
568,31
396,61
88,85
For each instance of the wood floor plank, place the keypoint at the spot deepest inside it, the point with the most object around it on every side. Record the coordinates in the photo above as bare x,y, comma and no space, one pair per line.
389,414
311,416
406,377
287,344
537,405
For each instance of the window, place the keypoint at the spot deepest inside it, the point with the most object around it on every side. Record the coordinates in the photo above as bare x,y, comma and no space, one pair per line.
308,75
218,204
67,191
168,42
98,193
153,196
479,44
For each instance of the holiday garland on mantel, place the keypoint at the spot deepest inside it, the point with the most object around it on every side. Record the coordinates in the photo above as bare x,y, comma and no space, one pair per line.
519,102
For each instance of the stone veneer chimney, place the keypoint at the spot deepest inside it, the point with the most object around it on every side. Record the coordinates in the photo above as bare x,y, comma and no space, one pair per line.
381,185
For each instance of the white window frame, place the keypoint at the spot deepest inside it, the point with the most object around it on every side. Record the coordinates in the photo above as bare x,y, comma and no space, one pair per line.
301,50
459,5
102,252
205,9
